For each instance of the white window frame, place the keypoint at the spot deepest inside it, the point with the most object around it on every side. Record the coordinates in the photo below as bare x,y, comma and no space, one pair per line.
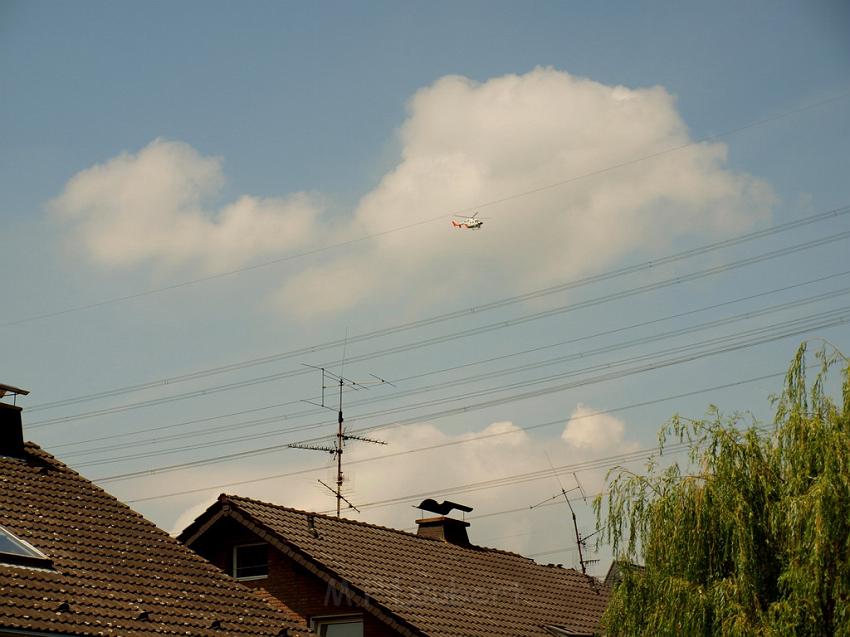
250,577
317,622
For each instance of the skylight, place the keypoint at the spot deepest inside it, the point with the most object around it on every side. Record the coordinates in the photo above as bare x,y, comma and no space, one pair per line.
16,552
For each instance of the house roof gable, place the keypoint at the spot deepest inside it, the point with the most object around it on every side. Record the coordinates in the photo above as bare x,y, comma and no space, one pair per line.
439,588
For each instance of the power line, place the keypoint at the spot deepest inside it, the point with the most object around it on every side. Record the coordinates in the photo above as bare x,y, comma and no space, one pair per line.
566,549
340,244
467,408
604,462
527,477
442,371
464,381
464,440
795,326
510,480
829,322
623,294
500,303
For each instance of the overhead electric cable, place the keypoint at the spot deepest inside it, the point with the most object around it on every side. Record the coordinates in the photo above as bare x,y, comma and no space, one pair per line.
623,294
795,325
402,380
471,439
454,383
605,462
500,303
566,549
563,182
792,328
609,462
830,322
827,322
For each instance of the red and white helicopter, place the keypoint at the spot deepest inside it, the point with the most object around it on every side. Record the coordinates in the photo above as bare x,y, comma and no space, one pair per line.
469,223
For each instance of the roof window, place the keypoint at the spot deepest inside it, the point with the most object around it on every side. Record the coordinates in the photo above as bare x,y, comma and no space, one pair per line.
16,552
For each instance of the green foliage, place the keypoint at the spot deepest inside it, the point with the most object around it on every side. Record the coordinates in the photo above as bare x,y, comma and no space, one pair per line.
753,538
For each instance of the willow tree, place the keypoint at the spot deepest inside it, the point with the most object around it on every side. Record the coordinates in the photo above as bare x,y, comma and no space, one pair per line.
751,536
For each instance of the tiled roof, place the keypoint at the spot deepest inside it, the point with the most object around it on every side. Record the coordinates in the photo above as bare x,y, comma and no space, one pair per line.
441,589
114,573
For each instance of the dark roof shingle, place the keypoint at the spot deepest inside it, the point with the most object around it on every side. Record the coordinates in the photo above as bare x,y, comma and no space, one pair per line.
114,573
440,588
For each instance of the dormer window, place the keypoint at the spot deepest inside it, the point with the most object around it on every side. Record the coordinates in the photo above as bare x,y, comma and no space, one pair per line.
15,552
338,626
250,561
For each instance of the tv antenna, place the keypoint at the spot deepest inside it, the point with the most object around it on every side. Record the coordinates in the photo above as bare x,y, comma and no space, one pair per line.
580,539
338,446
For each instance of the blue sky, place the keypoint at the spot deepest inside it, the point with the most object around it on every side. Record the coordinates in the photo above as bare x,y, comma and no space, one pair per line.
311,125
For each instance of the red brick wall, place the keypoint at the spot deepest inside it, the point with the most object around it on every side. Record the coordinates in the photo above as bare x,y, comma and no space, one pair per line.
304,595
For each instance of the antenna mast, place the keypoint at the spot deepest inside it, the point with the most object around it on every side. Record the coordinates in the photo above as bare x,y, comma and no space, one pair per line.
339,444
580,540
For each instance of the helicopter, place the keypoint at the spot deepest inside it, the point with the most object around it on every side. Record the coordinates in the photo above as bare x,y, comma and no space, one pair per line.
469,223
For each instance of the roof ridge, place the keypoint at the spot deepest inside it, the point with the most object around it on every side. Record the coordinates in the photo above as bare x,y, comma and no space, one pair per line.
333,518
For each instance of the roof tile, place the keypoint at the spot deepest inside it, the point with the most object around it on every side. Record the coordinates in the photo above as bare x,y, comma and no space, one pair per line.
442,589
114,573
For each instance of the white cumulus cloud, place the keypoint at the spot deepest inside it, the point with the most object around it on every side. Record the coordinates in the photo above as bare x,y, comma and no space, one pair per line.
464,143
588,430
151,206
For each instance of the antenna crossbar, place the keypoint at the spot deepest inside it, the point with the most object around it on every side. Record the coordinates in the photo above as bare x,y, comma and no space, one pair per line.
344,499
325,448
363,439
554,497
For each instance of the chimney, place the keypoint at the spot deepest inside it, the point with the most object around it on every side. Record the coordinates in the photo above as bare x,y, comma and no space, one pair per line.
442,527
445,529
11,430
